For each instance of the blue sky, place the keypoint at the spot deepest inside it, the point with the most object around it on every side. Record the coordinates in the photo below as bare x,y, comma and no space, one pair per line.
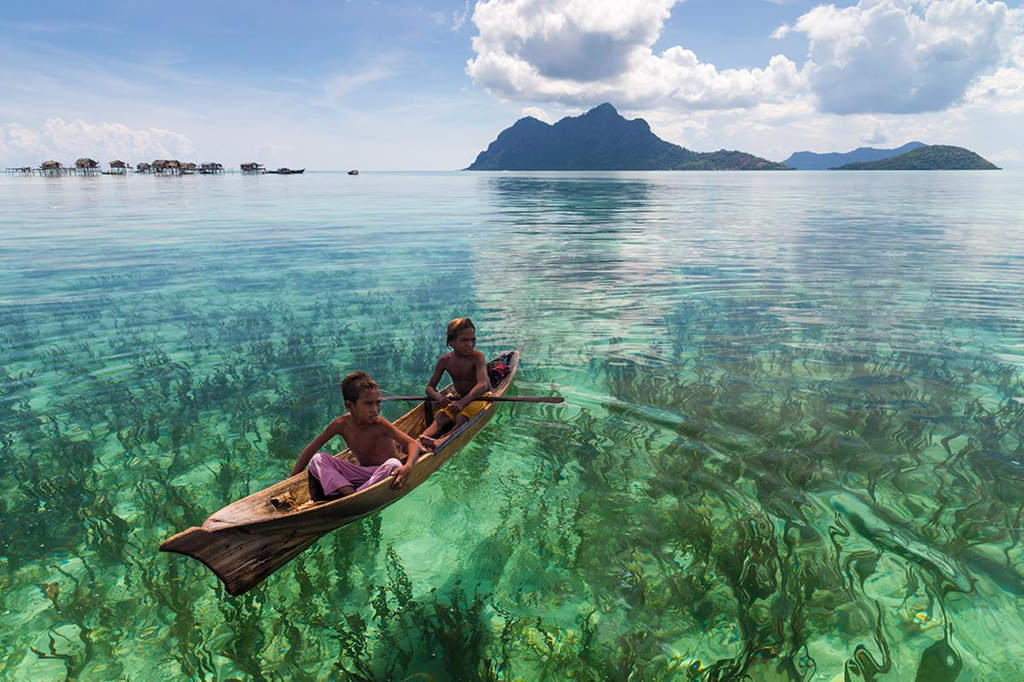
427,85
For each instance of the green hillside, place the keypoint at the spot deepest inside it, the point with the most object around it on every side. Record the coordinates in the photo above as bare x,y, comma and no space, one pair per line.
932,157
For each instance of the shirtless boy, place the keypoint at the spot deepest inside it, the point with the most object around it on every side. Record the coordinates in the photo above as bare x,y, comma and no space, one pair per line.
371,438
468,369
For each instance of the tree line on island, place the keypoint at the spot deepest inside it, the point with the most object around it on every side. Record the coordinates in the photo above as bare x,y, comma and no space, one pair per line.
601,139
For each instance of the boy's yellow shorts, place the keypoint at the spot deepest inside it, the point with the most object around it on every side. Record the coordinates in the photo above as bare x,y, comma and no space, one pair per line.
472,410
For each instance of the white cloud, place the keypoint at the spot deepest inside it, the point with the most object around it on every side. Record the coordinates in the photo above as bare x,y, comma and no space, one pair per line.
587,51
901,56
875,134
535,112
577,40
774,131
337,87
66,141
459,17
878,56
1001,91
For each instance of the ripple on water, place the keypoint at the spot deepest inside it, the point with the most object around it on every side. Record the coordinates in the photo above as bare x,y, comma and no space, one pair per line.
791,439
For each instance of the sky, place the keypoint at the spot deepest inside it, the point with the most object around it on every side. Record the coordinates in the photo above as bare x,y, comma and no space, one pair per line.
427,85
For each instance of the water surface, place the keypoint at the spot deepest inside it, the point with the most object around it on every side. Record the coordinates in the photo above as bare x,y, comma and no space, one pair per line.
791,448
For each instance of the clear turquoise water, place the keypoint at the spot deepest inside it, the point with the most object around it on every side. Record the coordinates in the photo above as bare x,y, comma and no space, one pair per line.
791,449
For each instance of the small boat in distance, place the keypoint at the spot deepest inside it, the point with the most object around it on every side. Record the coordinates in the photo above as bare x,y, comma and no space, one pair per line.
286,171
353,172
249,539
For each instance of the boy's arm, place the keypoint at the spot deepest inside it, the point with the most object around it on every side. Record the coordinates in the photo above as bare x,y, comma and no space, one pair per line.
412,452
432,391
333,429
482,384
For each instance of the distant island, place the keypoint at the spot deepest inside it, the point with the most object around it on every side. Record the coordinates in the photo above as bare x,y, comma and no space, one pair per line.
601,139
932,157
813,161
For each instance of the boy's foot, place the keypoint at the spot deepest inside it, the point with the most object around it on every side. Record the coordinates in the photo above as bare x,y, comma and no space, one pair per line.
428,442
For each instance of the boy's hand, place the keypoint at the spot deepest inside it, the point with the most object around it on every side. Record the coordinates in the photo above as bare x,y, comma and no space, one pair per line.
400,476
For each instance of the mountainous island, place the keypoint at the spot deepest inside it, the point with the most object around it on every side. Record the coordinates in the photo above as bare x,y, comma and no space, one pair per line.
813,161
932,157
601,139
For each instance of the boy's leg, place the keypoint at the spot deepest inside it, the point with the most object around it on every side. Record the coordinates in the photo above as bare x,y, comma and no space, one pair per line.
334,476
383,471
316,491
441,424
459,421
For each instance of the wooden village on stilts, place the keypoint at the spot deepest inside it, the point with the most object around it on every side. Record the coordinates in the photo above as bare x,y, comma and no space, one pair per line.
86,166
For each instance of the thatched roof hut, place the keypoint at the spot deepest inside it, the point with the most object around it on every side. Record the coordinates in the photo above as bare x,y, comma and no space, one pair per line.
50,165
86,163
166,166
118,164
143,167
253,167
189,166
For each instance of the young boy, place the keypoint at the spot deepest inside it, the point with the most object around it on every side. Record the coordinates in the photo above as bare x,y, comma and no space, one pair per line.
372,439
468,369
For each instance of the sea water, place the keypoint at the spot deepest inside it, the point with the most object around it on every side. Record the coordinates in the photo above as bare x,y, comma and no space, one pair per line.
790,449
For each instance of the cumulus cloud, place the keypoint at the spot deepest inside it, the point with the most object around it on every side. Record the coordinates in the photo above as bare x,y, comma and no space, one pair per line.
1001,91
578,52
535,112
877,134
900,56
877,56
66,141
579,40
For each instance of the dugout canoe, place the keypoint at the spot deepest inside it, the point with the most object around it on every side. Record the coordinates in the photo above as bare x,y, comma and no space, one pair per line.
247,540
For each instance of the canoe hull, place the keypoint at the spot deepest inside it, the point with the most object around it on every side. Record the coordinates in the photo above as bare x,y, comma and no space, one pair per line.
246,541
241,558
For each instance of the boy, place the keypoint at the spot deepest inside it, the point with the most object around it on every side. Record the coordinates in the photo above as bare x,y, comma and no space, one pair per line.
468,369
372,439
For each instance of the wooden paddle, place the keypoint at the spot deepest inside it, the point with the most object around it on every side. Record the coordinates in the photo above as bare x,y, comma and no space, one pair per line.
492,398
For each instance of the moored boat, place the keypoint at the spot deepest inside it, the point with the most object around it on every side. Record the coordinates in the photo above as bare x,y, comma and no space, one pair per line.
286,171
247,540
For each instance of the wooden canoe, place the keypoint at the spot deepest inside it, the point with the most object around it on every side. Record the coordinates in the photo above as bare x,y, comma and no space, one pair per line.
247,540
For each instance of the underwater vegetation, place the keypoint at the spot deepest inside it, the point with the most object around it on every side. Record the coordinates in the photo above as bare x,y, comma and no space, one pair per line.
719,515
752,477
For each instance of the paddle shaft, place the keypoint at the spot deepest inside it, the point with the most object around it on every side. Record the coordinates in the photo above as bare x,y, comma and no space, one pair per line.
491,398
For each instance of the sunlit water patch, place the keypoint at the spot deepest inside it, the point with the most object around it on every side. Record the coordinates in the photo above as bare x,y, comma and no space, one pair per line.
791,447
